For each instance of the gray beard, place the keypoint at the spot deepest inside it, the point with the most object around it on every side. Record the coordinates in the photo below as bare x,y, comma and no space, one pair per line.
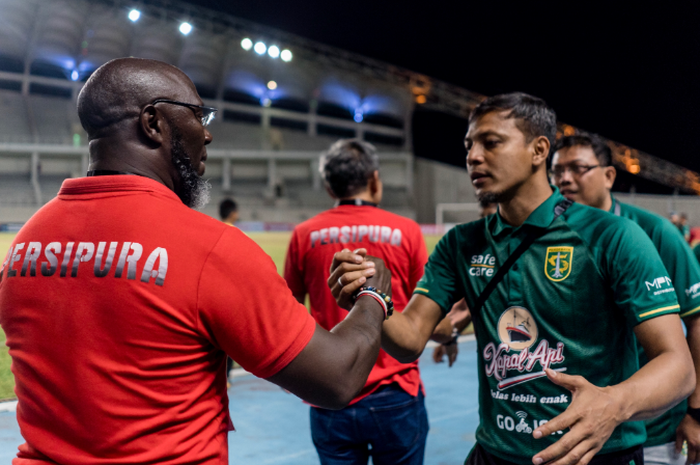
194,191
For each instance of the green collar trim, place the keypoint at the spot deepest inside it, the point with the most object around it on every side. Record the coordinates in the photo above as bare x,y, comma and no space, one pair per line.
541,217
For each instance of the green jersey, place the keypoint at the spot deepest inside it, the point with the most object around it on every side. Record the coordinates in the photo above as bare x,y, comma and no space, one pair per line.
569,303
684,271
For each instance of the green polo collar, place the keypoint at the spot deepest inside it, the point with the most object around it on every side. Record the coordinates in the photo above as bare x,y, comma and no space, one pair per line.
541,217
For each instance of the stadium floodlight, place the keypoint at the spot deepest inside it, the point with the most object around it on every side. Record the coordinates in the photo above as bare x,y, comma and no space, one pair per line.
134,15
358,116
246,44
260,48
272,85
185,28
75,75
266,102
286,55
273,51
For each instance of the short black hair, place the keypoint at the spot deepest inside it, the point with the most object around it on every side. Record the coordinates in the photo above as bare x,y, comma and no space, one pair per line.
535,117
347,166
226,207
601,149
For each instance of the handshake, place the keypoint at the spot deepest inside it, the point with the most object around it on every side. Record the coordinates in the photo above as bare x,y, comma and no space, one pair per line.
352,270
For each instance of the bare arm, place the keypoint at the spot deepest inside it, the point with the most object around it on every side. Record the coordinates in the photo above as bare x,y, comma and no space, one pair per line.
595,411
334,366
689,429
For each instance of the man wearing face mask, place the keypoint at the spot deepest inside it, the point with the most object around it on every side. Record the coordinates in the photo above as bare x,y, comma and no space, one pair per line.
582,170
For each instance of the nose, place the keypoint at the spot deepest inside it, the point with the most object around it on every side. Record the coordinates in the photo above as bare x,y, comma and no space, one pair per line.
474,155
566,177
207,137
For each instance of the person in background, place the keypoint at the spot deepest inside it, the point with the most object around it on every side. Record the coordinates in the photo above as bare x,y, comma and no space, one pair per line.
582,170
228,211
459,315
387,420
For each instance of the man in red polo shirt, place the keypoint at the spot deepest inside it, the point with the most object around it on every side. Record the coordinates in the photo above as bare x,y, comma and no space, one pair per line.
120,302
387,419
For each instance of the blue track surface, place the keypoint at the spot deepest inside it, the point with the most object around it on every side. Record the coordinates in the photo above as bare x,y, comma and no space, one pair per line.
272,427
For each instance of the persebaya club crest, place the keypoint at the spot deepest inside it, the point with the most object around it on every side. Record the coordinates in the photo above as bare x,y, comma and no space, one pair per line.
557,263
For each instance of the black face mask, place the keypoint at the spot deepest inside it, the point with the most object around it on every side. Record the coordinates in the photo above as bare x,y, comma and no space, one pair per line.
192,190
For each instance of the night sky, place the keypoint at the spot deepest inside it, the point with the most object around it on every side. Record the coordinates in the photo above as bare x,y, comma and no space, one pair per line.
630,75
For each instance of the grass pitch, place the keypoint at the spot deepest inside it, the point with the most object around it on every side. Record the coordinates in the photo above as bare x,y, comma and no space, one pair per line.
273,243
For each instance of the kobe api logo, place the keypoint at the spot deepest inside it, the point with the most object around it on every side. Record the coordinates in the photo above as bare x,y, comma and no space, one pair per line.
557,263
517,331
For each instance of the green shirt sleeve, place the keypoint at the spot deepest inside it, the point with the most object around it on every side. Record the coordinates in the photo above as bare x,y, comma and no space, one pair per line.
440,280
682,266
640,282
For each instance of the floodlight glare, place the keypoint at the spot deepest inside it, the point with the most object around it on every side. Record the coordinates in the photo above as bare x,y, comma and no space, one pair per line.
272,85
185,28
266,102
286,55
358,116
247,44
74,76
274,51
134,15
260,48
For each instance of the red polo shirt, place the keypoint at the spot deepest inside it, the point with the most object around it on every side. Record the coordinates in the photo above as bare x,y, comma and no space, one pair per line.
119,304
395,239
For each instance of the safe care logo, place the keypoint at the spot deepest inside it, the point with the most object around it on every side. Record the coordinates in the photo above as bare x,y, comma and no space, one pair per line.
557,263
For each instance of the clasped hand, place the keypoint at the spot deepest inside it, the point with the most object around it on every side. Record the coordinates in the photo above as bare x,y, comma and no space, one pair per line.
352,270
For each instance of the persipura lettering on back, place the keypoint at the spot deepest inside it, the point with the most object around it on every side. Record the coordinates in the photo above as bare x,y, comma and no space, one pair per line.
101,254
357,233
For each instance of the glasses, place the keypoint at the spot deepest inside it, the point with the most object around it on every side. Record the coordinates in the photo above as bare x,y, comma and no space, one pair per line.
208,113
576,170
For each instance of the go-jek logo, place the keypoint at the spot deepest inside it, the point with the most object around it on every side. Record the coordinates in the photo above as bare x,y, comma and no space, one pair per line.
518,332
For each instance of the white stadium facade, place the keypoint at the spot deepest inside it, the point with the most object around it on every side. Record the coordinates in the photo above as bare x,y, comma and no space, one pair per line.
282,100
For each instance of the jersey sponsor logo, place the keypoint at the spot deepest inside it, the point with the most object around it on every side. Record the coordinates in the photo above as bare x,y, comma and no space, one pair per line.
557,263
517,331
102,255
529,398
693,291
482,265
660,285
357,233
520,424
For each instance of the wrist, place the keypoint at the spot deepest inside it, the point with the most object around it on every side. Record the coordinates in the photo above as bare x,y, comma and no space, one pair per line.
455,336
621,402
383,299
371,301
694,413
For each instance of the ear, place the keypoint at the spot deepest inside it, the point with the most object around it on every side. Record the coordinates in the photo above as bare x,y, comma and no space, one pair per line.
152,124
540,151
330,192
610,175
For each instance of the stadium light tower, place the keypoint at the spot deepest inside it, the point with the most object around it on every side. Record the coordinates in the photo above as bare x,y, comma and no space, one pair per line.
260,48
246,44
75,75
272,85
286,55
134,15
273,51
358,116
185,28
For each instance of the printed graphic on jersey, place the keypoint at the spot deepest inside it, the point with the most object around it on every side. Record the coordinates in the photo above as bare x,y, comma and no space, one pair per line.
517,331
517,328
557,263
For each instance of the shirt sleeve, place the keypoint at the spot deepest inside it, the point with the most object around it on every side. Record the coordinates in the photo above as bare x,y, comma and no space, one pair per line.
640,282
246,309
418,259
440,279
293,272
682,266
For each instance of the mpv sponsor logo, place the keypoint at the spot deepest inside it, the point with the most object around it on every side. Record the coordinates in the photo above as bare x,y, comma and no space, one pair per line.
660,285
693,291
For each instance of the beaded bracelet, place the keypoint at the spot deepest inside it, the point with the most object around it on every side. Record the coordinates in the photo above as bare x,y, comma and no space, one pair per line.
384,299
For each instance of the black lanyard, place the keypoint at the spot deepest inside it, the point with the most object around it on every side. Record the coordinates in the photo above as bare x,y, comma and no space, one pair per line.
357,203
532,235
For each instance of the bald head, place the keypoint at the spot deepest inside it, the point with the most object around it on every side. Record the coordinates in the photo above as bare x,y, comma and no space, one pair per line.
120,88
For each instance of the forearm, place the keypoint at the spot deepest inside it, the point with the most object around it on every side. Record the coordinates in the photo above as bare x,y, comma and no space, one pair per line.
693,330
443,331
402,340
334,366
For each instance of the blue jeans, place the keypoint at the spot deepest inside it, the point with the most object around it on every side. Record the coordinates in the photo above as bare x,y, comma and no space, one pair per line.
390,425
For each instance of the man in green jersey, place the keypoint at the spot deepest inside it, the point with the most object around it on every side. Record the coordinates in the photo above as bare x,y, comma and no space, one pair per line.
558,370
582,170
